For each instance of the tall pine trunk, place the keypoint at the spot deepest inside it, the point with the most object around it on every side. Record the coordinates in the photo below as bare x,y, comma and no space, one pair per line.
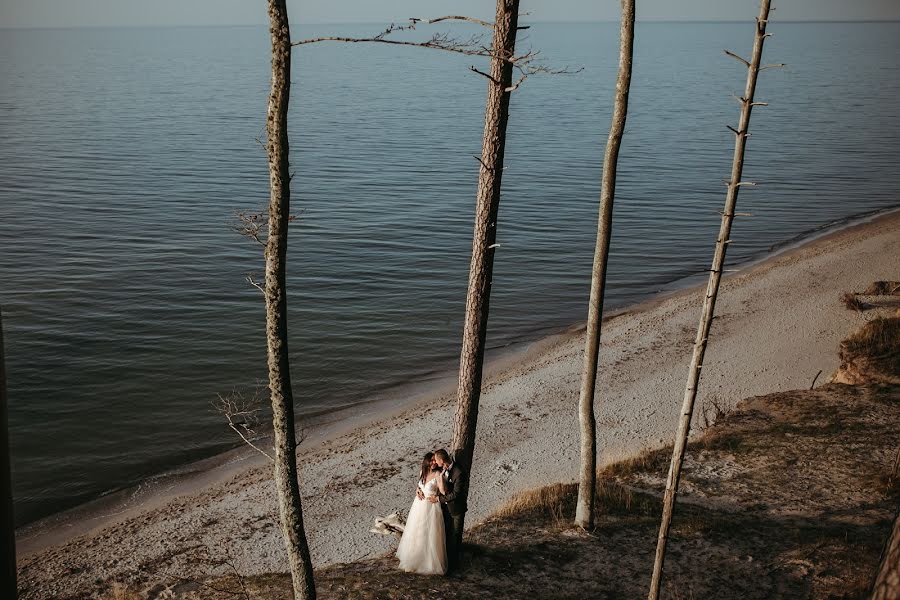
584,510
277,148
9,544
709,300
485,234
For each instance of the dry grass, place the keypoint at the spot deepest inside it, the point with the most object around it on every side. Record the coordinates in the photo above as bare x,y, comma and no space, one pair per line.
119,591
889,483
852,302
556,503
655,462
883,288
877,343
713,410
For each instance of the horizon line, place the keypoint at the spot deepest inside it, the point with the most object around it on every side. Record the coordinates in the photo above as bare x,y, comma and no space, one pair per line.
338,23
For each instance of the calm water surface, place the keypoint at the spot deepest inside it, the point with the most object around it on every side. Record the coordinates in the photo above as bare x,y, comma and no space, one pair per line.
124,154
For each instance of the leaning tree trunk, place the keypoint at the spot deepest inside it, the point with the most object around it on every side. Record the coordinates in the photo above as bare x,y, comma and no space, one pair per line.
887,580
485,233
9,544
287,488
584,510
709,301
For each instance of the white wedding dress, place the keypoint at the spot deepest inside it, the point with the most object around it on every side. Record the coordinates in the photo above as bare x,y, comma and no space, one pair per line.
423,548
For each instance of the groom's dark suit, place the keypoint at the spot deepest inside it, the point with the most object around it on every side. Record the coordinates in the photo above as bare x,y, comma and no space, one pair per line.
453,505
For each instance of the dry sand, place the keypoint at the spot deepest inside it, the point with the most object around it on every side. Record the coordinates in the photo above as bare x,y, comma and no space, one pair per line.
779,323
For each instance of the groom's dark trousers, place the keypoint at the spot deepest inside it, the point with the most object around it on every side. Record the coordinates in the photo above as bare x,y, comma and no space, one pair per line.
453,505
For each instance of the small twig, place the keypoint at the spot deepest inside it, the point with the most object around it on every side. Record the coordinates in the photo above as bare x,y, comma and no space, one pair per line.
256,285
813,384
453,18
235,406
735,56
483,74
239,577
483,164
252,225
249,443
516,85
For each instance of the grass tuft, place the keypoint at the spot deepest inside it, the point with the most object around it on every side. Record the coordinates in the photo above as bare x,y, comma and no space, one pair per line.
120,591
852,302
554,501
878,343
655,462
883,288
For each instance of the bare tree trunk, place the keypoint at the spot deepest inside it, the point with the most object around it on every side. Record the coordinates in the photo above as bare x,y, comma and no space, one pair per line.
887,580
485,233
584,510
709,301
9,544
277,148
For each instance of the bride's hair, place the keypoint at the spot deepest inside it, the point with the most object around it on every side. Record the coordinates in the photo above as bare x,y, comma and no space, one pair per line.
426,466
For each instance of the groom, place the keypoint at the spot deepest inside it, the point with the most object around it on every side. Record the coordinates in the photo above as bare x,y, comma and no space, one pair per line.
453,505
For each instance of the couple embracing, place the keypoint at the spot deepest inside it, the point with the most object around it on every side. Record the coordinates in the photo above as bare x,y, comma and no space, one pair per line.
432,540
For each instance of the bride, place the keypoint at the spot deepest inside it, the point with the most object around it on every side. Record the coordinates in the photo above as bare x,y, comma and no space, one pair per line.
422,548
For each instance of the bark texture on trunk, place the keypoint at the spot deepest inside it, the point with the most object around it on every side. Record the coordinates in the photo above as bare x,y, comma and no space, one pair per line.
887,580
277,149
584,509
709,301
485,234
9,544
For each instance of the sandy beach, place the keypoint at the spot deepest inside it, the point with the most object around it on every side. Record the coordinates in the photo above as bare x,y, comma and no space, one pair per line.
778,325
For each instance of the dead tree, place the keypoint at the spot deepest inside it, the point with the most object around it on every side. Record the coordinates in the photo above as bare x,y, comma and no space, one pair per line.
584,510
709,301
9,544
275,292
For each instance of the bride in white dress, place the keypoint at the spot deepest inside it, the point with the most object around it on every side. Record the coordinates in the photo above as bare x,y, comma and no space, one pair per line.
422,548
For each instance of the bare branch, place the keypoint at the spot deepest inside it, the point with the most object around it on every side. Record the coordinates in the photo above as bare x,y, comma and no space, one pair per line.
772,66
255,284
471,46
453,18
735,56
252,225
483,164
516,85
439,41
242,416
474,70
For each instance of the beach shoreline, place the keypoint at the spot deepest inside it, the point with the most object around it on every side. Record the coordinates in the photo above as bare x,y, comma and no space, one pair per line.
382,406
356,470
